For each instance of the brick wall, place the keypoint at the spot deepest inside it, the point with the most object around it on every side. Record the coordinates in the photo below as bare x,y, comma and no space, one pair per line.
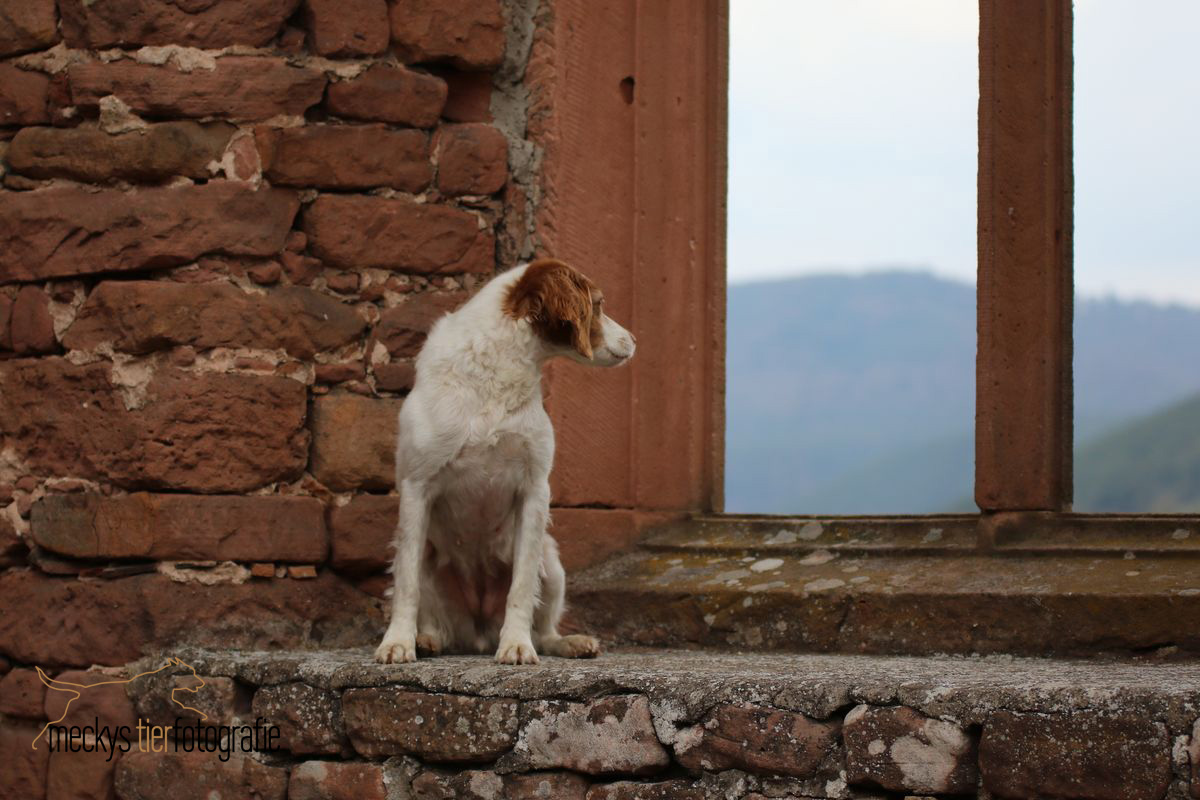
224,231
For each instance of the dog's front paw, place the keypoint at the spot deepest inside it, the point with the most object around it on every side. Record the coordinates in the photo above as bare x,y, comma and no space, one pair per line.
396,651
516,651
577,645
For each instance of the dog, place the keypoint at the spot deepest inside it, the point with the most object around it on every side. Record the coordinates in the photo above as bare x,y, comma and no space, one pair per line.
475,570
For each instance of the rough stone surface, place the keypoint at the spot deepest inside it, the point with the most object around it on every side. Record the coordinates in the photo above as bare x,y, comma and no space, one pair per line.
213,25
326,780
68,621
155,153
23,96
108,702
22,694
402,329
22,768
472,159
389,94
179,526
661,790
395,377
1083,755
347,27
6,304
361,533
470,96
27,25
467,33
485,785
217,702
394,233
354,440
208,432
345,157
65,231
32,328
81,776
144,316
154,776
439,728
900,750
613,735
758,739
309,718
239,87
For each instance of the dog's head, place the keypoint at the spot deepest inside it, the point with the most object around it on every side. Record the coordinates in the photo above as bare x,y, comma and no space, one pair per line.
566,311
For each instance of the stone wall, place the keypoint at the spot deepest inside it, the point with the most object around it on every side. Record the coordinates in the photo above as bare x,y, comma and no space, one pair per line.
646,726
225,228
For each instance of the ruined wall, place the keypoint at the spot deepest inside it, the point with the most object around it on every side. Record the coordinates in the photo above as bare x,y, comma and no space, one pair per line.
225,228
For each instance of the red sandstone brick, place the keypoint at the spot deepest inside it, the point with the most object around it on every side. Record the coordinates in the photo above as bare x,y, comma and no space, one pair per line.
114,23
144,316
402,329
472,159
343,282
178,526
347,27
469,97
1087,754
758,739
65,231
241,88
389,94
300,269
209,432
23,96
263,569
309,718
612,735
267,274
362,531
345,157
27,25
6,304
22,694
68,621
340,373
31,328
466,33
350,231
157,698
81,776
22,768
394,377
156,153
108,702
353,441
885,746
154,776
449,728
662,790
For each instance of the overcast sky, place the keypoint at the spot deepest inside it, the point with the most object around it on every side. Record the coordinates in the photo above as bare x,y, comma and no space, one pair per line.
852,141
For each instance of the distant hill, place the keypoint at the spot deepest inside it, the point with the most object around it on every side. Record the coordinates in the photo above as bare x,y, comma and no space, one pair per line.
856,394
1151,464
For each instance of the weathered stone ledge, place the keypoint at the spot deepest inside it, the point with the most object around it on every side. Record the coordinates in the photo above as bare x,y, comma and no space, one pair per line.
665,724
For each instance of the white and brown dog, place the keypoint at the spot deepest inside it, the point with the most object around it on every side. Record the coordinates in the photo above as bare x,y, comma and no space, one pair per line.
474,568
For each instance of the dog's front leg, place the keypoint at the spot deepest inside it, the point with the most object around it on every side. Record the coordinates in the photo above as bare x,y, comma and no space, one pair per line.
399,643
516,640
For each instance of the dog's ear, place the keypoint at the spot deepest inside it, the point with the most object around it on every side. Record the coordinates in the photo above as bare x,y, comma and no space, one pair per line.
557,301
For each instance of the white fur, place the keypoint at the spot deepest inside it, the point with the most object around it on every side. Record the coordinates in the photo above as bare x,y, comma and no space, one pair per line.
473,460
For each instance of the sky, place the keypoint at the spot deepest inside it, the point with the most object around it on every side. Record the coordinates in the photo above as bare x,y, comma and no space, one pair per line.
852,141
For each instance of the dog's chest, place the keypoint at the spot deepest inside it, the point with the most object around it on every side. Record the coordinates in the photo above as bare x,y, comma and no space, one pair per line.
479,487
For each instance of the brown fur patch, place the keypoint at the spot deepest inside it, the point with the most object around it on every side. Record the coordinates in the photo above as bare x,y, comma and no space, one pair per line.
560,303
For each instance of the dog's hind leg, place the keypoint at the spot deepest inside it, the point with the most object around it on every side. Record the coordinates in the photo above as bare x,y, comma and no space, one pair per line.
550,611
